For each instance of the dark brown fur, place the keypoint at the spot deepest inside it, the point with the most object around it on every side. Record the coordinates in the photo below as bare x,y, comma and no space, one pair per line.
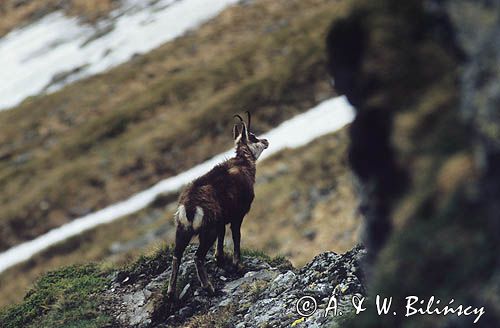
225,195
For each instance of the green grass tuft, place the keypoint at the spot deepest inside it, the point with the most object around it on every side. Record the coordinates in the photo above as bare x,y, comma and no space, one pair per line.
276,261
68,297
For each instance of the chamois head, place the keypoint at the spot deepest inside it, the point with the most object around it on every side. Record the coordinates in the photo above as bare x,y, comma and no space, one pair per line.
245,140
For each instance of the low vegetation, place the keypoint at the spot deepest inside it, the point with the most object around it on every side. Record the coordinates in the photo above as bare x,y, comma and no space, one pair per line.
324,218
67,296
18,13
102,139
75,295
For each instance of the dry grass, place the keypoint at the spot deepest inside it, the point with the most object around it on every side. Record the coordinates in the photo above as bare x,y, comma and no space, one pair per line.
219,319
102,139
308,205
273,226
17,13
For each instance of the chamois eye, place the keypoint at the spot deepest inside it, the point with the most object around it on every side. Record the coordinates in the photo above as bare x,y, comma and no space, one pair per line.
253,138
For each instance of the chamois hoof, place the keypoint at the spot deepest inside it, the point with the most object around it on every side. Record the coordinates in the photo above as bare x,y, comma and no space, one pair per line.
236,267
240,267
220,261
170,302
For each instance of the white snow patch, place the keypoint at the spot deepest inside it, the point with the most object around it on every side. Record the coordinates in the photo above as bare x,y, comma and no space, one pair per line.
328,116
57,45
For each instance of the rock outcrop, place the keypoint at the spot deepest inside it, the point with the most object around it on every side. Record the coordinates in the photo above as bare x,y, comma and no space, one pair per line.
265,294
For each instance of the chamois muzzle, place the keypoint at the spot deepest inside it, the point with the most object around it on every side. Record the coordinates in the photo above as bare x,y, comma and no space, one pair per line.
265,142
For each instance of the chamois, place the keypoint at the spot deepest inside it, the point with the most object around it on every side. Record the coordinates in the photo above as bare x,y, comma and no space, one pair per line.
221,196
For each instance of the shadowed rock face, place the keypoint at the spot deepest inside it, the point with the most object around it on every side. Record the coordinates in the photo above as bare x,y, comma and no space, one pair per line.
424,77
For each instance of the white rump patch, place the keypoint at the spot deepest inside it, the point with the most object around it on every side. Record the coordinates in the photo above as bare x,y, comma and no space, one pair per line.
182,220
181,217
198,218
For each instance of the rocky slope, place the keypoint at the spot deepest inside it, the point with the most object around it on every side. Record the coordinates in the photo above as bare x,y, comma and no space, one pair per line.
263,294
425,146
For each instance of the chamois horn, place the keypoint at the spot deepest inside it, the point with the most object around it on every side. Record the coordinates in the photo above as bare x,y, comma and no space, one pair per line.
249,117
238,116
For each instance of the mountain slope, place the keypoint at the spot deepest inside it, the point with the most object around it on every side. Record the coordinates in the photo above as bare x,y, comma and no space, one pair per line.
102,139
314,178
17,13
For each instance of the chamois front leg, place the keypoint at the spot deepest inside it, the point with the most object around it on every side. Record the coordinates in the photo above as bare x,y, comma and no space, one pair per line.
235,230
219,253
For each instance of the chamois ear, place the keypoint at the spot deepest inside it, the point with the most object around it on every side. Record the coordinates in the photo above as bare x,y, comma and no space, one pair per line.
236,131
244,132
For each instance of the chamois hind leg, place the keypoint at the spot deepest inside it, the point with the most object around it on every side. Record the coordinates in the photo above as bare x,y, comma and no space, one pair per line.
182,239
235,230
207,239
221,231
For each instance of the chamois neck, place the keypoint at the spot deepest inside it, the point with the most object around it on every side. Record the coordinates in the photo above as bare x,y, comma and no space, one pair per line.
244,154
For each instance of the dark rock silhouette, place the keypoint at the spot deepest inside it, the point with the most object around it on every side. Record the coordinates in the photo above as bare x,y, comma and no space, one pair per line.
425,145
